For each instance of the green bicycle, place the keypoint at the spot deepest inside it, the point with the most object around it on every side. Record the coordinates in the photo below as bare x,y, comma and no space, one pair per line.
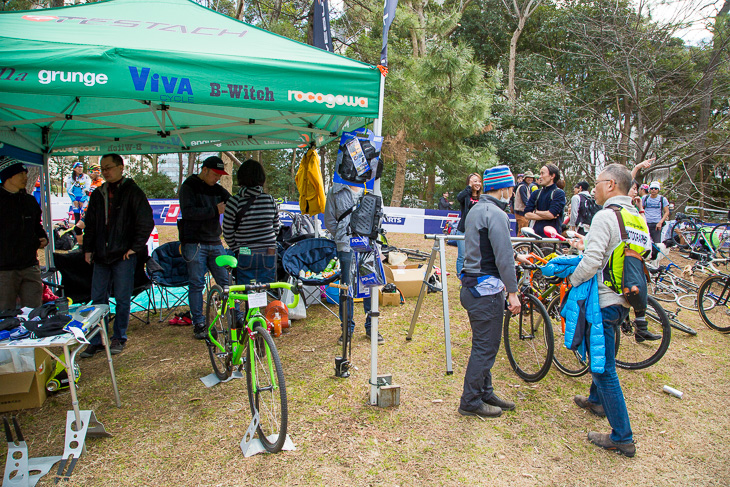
249,347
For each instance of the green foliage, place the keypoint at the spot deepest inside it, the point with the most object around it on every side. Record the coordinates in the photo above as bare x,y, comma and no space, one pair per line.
156,185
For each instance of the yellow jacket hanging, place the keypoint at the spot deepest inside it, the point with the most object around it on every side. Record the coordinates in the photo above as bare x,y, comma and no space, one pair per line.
310,185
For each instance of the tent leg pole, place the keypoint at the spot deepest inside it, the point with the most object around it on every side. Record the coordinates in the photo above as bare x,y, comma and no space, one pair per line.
47,217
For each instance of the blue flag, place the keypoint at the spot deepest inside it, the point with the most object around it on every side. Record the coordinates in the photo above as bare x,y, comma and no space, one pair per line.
388,16
322,35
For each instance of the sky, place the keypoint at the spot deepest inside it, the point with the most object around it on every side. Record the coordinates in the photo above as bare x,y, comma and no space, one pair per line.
697,12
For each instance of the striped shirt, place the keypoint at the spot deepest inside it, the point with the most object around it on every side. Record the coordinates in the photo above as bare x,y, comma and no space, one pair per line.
258,227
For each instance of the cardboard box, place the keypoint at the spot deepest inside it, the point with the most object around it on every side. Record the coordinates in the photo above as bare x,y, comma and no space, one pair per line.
389,299
26,390
407,278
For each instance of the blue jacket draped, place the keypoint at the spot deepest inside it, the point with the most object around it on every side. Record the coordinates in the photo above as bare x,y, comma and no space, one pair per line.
582,313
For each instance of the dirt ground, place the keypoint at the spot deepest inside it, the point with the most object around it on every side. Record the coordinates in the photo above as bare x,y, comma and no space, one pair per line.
172,430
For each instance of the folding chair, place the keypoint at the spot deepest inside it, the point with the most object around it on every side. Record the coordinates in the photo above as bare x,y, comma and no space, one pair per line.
76,275
312,254
168,272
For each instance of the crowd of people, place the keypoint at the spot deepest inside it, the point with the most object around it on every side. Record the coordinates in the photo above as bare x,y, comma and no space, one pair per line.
118,221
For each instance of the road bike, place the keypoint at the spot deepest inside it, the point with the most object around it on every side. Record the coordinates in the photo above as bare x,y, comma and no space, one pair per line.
249,346
714,298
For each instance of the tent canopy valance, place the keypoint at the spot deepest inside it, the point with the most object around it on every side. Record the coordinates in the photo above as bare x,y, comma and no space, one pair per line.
136,77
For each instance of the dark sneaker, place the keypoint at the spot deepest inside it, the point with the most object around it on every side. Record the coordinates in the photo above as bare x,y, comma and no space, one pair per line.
484,411
381,340
584,403
604,441
199,332
116,347
641,335
91,350
502,404
339,340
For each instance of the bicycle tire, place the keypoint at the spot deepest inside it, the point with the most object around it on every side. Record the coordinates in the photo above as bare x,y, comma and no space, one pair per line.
685,226
527,247
678,325
567,361
268,397
688,302
713,296
720,240
221,331
530,354
635,355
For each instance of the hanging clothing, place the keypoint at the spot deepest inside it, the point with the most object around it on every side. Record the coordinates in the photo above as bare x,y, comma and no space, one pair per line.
310,185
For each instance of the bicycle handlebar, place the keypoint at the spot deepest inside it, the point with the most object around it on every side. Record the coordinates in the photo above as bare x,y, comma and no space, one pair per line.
258,287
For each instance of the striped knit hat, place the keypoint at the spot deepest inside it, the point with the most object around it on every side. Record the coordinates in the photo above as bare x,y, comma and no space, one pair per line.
497,178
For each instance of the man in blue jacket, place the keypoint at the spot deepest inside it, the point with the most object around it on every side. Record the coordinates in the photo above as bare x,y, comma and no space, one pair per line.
489,271
606,397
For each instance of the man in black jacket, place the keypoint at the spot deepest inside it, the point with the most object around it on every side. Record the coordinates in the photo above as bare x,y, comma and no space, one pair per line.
118,224
202,202
22,236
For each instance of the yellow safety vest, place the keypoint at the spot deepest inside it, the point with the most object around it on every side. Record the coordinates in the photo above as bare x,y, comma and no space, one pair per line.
638,239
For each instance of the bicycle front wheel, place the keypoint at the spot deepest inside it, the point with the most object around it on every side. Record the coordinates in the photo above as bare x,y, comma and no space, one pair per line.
713,297
266,389
567,361
528,339
218,325
720,240
633,352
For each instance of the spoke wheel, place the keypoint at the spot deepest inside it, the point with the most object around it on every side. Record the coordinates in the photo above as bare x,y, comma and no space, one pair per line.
663,291
528,339
633,354
714,297
219,328
720,240
266,389
688,301
567,361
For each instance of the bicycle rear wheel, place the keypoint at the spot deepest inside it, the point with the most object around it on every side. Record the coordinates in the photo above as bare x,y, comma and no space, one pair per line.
714,296
567,361
720,240
219,327
267,389
633,354
527,247
684,233
528,339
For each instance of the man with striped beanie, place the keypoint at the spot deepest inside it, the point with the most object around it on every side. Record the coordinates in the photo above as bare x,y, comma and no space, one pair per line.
489,271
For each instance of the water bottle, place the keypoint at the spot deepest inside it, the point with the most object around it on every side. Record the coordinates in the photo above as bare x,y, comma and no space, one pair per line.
277,324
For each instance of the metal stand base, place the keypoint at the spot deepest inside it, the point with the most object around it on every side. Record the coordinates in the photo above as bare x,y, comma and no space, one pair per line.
212,379
76,440
251,446
20,470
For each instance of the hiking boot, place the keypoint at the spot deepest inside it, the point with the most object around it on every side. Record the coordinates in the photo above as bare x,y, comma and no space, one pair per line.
200,332
604,441
641,335
584,403
116,347
483,411
381,340
91,350
503,404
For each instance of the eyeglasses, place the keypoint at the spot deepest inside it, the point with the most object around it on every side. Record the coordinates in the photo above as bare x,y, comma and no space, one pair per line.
603,180
109,168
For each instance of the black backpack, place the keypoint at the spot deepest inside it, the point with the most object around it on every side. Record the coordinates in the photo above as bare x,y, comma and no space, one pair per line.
587,209
346,166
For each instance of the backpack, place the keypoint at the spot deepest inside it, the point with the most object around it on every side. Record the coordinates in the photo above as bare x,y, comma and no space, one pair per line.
301,227
560,217
365,166
661,204
365,219
63,237
587,210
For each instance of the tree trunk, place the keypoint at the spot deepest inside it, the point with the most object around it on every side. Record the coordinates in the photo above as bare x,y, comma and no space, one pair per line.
323,163
240,8
155,160
292,175
625,131
394,147
191,163
511,94
227,181
180,171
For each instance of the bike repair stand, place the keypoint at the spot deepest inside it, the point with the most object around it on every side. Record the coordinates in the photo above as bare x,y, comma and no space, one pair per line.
439,247
18,466
342,363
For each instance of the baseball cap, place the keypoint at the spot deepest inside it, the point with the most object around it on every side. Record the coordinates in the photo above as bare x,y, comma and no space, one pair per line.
215,164
655,185
645,187
9,167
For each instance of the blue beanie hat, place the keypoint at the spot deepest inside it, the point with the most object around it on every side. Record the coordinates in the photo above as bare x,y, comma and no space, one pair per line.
497,178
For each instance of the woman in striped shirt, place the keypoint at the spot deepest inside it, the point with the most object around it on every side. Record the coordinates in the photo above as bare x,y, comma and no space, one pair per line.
250,225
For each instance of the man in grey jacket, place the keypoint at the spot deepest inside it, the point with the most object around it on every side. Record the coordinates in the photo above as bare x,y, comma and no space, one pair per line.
341,200
606,397
489,270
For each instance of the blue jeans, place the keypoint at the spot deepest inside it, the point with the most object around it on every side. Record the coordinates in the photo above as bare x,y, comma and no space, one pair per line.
120,276
200,258
346,273
460,251
605,388
257,267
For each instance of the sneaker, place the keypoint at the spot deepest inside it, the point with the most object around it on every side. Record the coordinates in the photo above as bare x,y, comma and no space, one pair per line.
339,340
91,350
503,404
583,402
199,332
117,346
484,411
381,340
604,441
641,335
